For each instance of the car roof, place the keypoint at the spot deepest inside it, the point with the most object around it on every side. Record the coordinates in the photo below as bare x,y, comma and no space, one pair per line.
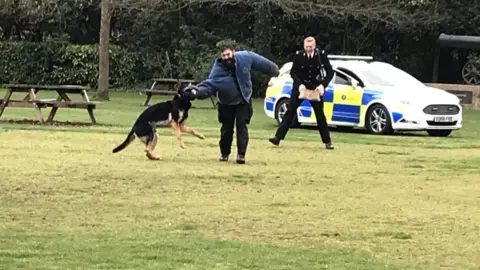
383,70
349,64
356,66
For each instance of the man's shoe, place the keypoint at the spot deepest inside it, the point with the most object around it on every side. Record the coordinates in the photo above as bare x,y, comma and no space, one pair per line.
223,158
274,140
241,159
329,146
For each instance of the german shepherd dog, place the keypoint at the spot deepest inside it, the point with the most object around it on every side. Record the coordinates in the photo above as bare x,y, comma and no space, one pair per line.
172,113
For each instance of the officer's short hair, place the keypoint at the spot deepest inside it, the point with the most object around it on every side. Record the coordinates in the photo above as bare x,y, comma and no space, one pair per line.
309,39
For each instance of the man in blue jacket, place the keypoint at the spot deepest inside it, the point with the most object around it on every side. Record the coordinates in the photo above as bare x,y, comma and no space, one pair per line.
230,79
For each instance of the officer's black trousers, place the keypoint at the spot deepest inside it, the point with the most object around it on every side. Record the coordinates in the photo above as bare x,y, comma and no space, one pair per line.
234,116
292,111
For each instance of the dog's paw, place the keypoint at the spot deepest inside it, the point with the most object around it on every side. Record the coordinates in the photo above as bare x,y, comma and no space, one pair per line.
152,157
182,146
201,137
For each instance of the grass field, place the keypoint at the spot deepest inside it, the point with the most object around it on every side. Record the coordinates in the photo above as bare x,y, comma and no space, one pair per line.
376,202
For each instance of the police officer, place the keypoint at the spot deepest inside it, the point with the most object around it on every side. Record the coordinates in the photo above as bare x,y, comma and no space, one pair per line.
313,70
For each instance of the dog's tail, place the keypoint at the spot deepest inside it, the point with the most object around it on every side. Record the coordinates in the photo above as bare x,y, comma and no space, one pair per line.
125,143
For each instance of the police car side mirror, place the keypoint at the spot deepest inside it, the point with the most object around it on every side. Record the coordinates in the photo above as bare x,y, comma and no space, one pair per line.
356,85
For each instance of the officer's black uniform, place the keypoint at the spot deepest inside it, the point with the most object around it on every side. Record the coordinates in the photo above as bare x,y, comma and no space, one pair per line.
311,72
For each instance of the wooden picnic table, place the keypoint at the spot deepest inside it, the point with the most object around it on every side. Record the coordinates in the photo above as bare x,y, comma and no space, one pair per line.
168,86
62,101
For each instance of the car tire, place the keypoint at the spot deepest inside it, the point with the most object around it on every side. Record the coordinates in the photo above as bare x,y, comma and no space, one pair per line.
280,110
378,120
439,132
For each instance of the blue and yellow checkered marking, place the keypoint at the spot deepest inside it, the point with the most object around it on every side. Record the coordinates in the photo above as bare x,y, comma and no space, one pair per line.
287,88
346,113
370,95
342,104
396,116
271,97
270,103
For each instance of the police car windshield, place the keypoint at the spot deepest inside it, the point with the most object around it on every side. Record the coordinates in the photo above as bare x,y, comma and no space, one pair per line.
396,76
376,78
286,68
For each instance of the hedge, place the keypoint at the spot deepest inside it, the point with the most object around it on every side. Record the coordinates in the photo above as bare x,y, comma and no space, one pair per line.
64,63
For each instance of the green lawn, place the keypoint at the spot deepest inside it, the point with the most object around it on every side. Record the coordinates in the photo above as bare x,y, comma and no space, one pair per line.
376,202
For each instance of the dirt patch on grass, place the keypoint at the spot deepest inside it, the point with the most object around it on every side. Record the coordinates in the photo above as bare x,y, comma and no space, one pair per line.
52,123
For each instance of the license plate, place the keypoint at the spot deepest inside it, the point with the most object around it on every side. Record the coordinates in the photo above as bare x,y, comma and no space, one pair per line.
443,119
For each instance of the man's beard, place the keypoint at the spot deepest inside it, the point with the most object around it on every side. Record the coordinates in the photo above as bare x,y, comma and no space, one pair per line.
229,63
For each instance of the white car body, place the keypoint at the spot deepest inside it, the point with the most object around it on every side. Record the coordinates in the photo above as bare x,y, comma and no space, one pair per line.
352,101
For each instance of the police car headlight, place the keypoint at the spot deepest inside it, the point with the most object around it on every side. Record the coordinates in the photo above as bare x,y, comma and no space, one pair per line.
459,101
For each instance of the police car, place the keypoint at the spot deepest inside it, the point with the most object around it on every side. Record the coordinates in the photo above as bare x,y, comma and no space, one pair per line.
371,95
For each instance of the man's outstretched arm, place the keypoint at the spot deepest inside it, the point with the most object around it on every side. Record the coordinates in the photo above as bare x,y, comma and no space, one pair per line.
264,65
205,89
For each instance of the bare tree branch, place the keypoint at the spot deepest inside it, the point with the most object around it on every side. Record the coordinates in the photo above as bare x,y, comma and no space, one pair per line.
390,12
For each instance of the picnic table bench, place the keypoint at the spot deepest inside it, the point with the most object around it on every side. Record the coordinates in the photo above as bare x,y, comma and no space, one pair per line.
168,87
62,101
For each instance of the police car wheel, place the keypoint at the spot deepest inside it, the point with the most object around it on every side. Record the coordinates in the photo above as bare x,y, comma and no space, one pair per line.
378,120
280,111
439,132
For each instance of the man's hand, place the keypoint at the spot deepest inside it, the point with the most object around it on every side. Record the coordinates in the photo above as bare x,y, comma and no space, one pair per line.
191,91
320,89
191,94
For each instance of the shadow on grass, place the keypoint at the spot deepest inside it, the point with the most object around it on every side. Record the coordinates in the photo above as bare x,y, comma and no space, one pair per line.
357,131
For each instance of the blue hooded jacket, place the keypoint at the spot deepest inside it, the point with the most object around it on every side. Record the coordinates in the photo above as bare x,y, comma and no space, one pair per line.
221,82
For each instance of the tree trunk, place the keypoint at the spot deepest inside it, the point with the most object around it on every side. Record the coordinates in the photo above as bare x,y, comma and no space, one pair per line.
262,43
103,72
263,28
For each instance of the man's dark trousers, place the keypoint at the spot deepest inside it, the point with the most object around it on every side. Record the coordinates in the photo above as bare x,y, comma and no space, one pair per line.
238,117
293,104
